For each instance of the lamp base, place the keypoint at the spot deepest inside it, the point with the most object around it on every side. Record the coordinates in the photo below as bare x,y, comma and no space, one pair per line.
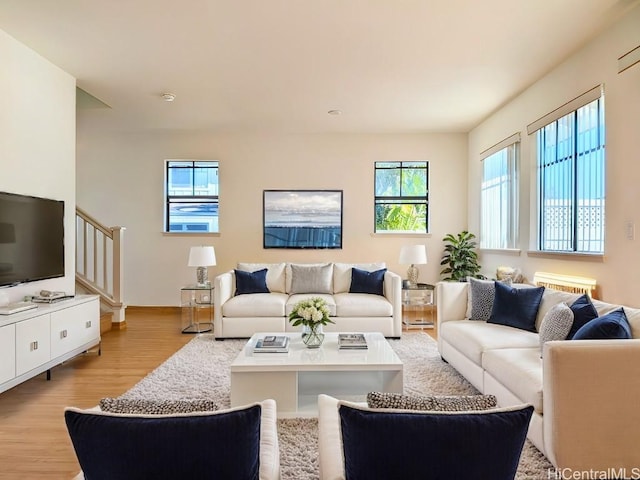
412,275
202,275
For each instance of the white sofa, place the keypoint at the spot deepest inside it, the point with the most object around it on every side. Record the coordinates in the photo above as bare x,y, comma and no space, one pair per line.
240,316
585,392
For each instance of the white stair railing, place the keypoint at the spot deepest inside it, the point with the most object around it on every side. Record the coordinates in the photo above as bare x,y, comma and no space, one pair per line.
99,261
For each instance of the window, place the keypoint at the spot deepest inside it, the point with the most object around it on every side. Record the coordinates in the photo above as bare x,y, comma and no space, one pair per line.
499,195
191,196
571,181
401,197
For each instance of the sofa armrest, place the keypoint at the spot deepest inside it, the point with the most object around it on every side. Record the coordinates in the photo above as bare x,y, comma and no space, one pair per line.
452,301
223,291
590,404
330,453
393,293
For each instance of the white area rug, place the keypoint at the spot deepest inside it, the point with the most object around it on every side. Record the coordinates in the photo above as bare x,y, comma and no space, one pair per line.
201,370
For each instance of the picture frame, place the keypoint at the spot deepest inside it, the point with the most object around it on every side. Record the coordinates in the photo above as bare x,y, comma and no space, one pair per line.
302,219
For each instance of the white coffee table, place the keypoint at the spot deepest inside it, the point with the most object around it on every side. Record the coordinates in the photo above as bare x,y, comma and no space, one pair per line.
295,379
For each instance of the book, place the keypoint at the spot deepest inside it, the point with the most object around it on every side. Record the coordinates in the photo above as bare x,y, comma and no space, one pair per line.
352,341
272,344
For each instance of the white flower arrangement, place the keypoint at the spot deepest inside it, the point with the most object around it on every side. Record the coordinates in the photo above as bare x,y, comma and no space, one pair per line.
310,312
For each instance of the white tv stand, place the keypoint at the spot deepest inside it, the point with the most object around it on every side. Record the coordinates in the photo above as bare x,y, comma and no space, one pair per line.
36,340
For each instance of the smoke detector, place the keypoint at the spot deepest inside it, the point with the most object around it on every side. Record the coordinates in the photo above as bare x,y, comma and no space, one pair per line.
168,97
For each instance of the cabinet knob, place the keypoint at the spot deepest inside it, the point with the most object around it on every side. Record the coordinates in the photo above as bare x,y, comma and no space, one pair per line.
63,334
88,324
34,345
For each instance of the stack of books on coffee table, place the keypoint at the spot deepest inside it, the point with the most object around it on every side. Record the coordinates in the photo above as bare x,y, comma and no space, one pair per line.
352,341
272,344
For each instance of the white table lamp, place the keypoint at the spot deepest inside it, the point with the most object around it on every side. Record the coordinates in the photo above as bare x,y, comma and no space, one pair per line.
202,257
413,255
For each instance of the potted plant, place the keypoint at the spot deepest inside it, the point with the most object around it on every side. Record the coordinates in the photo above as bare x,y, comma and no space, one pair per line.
460,257
312,314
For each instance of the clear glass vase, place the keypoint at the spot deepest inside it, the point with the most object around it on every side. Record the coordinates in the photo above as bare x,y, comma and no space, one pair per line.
312,335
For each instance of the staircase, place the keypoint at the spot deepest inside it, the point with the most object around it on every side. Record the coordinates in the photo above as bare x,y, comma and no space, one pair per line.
99,265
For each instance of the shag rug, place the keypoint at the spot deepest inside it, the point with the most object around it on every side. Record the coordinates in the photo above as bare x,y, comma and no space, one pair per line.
200,370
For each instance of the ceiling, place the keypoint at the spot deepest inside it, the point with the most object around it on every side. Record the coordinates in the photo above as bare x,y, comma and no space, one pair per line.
281,65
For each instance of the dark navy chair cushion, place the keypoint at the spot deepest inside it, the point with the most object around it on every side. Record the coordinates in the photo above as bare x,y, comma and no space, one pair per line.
204,446
483,445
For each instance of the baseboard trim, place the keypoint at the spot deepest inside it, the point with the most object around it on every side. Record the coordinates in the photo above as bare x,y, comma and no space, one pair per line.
119,325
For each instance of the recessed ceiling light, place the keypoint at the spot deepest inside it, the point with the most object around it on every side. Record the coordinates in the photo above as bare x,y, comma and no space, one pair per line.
335,112
168,97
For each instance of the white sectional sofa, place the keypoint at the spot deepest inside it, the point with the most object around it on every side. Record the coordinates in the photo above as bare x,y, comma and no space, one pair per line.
242,315
586,393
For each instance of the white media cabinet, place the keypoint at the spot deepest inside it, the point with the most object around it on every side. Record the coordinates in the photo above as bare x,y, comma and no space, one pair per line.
34,341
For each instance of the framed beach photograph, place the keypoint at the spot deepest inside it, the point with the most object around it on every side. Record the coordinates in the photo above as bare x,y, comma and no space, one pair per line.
302,218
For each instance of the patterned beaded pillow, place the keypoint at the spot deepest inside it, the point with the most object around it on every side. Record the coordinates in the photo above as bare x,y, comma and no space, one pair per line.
556,324
156,407
480,299
460,403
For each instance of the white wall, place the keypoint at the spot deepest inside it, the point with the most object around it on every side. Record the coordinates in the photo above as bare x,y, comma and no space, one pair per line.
619,273
37,143
120,182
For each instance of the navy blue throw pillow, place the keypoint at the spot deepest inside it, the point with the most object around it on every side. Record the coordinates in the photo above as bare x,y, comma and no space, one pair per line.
516,307
251,282
614,325
461,445
132,447
367,282
583,312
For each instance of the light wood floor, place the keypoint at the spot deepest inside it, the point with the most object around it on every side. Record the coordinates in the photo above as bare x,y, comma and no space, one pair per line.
33,437
34,443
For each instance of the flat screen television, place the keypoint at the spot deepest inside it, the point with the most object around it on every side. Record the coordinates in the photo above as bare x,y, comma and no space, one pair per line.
302,219
31,238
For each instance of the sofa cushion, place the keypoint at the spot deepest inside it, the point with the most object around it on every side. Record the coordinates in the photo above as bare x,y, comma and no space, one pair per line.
275,274
109,446
362,305
478,445
367,282
298,297
251,282
516,307
614,325
480,299
556,324
583,312
451,403
519,370
474,338
342,274
155,407
311,278
256,305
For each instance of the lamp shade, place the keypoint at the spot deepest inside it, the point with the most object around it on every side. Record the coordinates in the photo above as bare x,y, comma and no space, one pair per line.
413,254
204,256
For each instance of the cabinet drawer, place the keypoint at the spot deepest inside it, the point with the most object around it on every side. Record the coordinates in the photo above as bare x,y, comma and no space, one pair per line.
33,346
73,327
8,349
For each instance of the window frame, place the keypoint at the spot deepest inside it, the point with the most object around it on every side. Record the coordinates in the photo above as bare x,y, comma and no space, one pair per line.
401,199
510,233
576,157
206,199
